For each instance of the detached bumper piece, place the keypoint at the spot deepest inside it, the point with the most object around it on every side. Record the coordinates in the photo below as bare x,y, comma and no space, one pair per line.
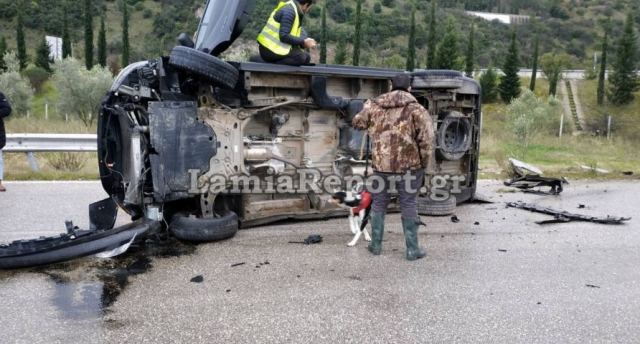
74,244
564,216
529,182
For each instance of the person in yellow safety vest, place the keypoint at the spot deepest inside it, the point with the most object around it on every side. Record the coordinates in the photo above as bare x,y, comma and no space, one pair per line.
283,40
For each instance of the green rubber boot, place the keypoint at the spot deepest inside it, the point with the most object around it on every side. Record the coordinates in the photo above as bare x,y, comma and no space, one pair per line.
410,227
377,231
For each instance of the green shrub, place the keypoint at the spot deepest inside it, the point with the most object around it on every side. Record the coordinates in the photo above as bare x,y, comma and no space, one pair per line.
530,116
69,162
37,76
15,87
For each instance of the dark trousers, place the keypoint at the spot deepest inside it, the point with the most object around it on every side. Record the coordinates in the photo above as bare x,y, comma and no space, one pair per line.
297,57
407,191
3,136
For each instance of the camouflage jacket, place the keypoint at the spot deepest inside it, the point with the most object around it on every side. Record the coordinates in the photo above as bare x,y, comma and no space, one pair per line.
401,132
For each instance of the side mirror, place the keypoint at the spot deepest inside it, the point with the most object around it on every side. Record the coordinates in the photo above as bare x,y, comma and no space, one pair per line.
186,41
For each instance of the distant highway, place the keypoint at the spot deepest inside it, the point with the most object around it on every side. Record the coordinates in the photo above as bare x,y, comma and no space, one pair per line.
571,74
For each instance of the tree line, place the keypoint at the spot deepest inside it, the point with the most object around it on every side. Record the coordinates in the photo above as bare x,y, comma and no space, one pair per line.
80,84
94,52
444,53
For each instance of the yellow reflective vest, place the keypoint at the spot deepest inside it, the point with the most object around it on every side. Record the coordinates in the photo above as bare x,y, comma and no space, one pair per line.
270,35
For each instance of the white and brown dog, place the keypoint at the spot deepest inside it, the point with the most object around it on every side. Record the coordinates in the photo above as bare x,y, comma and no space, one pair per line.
359,205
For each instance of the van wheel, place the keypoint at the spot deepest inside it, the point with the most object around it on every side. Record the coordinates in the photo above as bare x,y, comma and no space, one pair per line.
454,136
204,229
204,66
429,207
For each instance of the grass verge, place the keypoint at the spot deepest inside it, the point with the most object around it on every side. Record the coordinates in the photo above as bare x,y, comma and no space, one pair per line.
555,156
17,167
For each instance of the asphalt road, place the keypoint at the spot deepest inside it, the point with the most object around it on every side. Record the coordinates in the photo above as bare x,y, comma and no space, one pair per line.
504,280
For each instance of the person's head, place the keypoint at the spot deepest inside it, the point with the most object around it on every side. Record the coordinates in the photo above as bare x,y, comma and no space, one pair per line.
306,5
401,82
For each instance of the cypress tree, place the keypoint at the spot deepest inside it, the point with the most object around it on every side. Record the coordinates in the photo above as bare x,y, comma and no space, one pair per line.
510,83
66,38
470,65
3,50
125,34
102,44
341,53
488,84
534,73
43,56
432,40
88,34
603,69
624,80
22,46
356,42
324,40
447,56
411,54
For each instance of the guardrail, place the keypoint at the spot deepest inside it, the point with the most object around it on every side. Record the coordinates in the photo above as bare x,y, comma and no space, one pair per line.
38,143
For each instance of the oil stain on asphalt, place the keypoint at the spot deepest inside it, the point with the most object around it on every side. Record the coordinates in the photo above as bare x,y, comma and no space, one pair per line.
87,288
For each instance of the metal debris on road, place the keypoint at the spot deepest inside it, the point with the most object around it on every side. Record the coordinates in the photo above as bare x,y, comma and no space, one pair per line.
311,240
529,182
592,286
564,216
554,221
527,177
523,169
238,264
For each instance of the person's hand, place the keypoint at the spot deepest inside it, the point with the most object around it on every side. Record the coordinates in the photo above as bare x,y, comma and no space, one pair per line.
310,43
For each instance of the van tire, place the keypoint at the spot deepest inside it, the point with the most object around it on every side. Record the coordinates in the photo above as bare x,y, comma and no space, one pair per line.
204,229
454,137
205,66
429,207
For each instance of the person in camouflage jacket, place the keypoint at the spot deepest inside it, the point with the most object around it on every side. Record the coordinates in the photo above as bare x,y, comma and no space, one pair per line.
401,132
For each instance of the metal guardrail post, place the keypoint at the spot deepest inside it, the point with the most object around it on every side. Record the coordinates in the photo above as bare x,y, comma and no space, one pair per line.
33,162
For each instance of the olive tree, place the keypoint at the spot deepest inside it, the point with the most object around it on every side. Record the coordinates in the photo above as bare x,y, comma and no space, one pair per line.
15,87
80,90
531,116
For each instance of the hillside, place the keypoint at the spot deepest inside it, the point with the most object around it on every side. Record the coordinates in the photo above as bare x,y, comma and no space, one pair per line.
573,26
